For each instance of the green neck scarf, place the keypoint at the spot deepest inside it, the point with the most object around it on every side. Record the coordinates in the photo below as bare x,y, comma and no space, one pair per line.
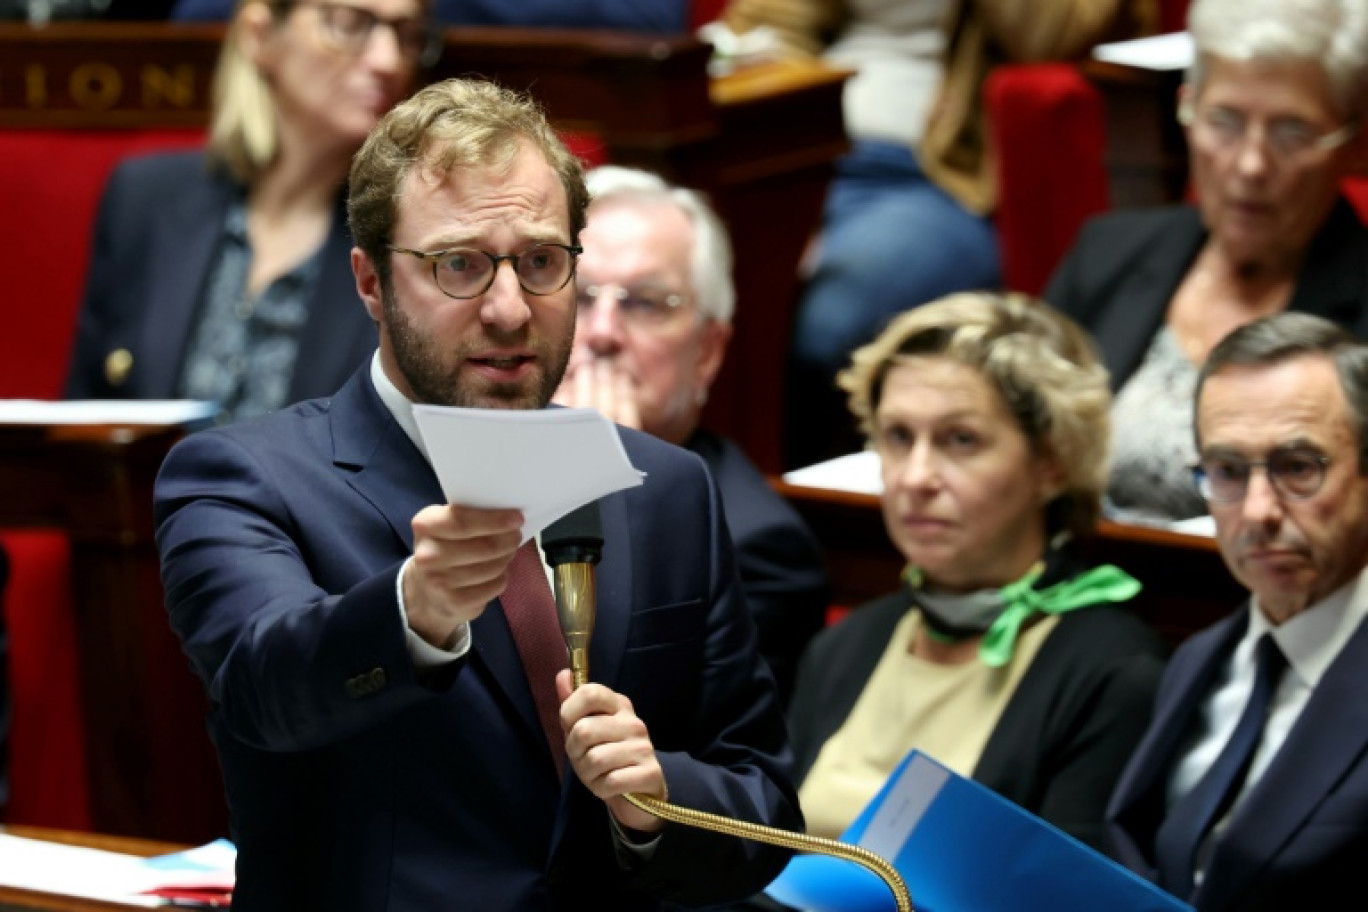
1012,605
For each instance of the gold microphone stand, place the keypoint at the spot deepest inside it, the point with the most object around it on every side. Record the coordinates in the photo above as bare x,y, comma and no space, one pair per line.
575,605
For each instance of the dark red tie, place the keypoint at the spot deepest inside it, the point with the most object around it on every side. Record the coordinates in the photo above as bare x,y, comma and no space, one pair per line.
531,612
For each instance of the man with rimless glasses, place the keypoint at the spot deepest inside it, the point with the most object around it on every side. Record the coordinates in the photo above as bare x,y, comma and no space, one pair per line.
1249,791
654,301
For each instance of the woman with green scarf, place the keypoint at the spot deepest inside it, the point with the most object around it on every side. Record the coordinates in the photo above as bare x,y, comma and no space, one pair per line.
1004,656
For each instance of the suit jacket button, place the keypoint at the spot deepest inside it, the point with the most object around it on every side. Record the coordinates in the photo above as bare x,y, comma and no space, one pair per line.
117,365
367,683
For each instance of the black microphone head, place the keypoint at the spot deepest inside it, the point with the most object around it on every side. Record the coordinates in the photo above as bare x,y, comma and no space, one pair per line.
577,537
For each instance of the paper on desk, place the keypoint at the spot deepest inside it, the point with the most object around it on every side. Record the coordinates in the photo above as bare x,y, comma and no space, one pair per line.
857,472
1157,52
67,870
106,411
545,462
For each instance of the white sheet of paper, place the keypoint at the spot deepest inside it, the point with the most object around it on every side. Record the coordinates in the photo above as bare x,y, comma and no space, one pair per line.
66,870
545,462
106,411
1157,52
855,472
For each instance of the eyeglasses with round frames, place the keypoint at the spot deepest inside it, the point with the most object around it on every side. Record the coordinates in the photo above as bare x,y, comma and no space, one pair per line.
465,272
1294,474
349,28
1289,139
642,307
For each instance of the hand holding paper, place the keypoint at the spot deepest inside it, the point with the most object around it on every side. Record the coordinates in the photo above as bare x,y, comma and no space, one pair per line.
545,462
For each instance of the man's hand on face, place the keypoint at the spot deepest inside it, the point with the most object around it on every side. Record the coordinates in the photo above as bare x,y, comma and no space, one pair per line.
460,562
601,383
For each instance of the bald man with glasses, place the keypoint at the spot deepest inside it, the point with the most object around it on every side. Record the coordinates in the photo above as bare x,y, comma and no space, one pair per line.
1248,792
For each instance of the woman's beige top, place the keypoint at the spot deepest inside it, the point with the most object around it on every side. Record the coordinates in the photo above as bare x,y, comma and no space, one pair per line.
946,711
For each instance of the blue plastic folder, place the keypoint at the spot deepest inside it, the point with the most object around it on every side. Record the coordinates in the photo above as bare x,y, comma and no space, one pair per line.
961,847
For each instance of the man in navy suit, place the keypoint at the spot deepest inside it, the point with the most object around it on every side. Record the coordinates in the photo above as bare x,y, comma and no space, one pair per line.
379,737
1282,437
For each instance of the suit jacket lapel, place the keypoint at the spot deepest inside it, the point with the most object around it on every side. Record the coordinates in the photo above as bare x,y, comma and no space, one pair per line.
1329,736
185,233
1141,789
1124,332
614,585
387,468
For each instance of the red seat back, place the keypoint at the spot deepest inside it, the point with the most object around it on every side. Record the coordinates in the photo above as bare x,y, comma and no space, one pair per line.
1356,190
1048,136
50,181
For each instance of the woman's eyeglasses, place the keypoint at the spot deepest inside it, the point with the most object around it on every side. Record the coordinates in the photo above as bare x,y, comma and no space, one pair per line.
349,28
1289,139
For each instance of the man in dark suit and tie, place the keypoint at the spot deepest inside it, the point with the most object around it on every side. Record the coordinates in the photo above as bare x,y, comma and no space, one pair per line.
386,740
1250,790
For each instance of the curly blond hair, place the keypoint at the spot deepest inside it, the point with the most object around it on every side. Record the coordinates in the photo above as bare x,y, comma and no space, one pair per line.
1042,363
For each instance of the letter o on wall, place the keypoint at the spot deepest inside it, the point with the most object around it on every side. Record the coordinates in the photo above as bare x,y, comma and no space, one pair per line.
95,86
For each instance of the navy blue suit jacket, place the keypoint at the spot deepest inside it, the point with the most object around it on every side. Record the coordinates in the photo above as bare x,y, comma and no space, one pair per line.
159,221
1300,838
356,783
782,566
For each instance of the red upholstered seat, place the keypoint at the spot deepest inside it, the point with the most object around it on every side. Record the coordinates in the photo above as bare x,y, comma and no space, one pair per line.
50,181
1356,189
1048,135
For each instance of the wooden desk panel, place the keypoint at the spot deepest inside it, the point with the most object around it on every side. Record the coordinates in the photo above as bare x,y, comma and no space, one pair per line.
1186,583
1147,158
152,767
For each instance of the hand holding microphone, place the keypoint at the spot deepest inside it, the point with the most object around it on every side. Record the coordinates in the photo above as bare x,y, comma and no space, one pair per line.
573,547
607,743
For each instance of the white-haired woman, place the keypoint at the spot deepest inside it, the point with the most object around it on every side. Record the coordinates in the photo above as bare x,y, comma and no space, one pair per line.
1272,107
225,274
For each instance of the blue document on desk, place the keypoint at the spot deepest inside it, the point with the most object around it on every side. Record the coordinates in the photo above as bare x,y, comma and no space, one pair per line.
961,847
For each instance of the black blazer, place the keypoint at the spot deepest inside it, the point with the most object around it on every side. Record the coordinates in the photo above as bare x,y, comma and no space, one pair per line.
1120,275
782,567
1063,737
159,220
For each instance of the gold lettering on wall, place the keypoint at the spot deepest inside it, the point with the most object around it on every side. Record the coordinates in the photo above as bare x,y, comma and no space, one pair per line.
173,88
95,86
35,86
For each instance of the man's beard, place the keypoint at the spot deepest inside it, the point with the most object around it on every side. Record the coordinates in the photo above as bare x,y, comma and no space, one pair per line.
435,381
